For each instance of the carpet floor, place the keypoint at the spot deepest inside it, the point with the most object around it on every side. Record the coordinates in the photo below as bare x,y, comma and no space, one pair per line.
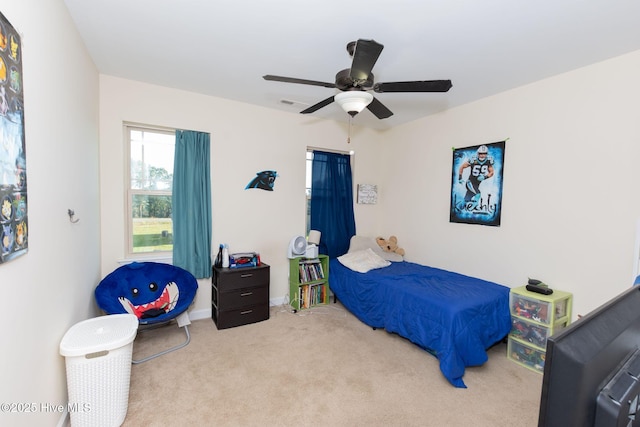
321,367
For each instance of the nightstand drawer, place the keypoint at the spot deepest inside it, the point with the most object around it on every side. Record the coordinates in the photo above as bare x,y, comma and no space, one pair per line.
243,278
243,297
242,316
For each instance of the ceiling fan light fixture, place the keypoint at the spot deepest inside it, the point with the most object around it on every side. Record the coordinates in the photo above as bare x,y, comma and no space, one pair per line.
353,101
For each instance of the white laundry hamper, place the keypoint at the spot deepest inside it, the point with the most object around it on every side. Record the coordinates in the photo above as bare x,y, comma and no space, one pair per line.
98,354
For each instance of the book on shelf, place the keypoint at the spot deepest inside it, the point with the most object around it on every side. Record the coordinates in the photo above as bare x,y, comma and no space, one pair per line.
310,270
310,295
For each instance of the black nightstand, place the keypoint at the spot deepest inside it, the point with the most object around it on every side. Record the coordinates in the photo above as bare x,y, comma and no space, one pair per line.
239,295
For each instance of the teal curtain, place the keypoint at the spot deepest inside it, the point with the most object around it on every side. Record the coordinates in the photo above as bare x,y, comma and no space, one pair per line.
191,203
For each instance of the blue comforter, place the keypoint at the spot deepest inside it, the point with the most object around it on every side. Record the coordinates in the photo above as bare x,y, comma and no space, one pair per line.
455,317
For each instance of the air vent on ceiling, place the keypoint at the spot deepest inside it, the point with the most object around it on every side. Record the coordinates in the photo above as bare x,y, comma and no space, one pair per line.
292,102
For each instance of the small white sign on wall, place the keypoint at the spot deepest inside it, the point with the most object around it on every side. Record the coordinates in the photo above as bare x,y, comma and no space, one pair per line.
367,194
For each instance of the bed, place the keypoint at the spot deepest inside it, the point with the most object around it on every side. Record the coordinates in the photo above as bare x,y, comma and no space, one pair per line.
454,317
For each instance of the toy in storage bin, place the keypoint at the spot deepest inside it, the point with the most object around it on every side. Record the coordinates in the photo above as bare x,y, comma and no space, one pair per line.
98,354
526,356
539,308
534,318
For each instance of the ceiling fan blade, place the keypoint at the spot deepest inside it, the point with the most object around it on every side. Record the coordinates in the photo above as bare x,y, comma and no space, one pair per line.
318,106
416,86
365,55
300,81
379,110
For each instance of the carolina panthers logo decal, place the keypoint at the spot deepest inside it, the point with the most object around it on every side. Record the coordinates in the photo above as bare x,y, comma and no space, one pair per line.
264,180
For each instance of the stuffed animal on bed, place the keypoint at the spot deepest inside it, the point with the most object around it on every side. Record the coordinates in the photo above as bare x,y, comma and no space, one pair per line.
390,245
153,292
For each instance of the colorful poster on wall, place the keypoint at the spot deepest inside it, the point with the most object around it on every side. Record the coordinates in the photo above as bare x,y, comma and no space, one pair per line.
13,161
476,184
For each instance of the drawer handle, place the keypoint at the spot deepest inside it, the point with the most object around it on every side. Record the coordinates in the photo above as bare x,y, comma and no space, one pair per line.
246,275
246,294
246,312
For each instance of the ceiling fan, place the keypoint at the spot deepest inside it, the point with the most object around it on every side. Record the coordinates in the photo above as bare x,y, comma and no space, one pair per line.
354,83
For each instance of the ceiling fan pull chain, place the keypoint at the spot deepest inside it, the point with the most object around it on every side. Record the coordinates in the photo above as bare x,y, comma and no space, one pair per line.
349,133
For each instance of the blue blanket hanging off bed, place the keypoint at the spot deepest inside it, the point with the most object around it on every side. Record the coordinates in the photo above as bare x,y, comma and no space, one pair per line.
453,316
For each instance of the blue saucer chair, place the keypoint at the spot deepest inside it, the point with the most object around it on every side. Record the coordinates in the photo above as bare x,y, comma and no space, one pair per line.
155,293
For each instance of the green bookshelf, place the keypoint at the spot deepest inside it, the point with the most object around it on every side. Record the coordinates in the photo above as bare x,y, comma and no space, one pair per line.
308,282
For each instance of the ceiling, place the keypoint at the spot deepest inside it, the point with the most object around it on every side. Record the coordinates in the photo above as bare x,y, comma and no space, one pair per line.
223,48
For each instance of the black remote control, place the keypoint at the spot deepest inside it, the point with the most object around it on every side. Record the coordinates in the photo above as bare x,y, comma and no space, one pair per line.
540,289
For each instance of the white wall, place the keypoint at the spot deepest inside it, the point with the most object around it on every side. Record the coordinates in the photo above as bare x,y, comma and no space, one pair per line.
244,140
570,201
50,288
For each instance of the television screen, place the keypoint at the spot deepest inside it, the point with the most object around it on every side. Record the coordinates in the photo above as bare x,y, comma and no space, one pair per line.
582,359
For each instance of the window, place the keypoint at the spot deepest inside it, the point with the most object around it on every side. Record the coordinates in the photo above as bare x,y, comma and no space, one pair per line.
149,186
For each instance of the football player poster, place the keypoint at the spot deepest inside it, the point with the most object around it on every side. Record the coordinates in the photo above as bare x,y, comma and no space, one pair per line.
476,184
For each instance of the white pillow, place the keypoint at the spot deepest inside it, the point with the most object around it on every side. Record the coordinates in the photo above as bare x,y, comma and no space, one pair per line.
358,243
363,261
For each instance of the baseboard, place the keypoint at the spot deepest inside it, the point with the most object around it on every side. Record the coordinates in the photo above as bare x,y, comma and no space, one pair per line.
278,301
205,313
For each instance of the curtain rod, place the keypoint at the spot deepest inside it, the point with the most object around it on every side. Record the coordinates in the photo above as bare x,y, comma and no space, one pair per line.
328,150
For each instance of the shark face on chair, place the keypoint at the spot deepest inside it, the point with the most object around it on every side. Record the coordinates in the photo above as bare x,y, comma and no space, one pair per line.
145,302
150,291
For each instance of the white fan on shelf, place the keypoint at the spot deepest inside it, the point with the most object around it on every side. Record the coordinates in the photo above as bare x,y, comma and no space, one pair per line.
297,247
